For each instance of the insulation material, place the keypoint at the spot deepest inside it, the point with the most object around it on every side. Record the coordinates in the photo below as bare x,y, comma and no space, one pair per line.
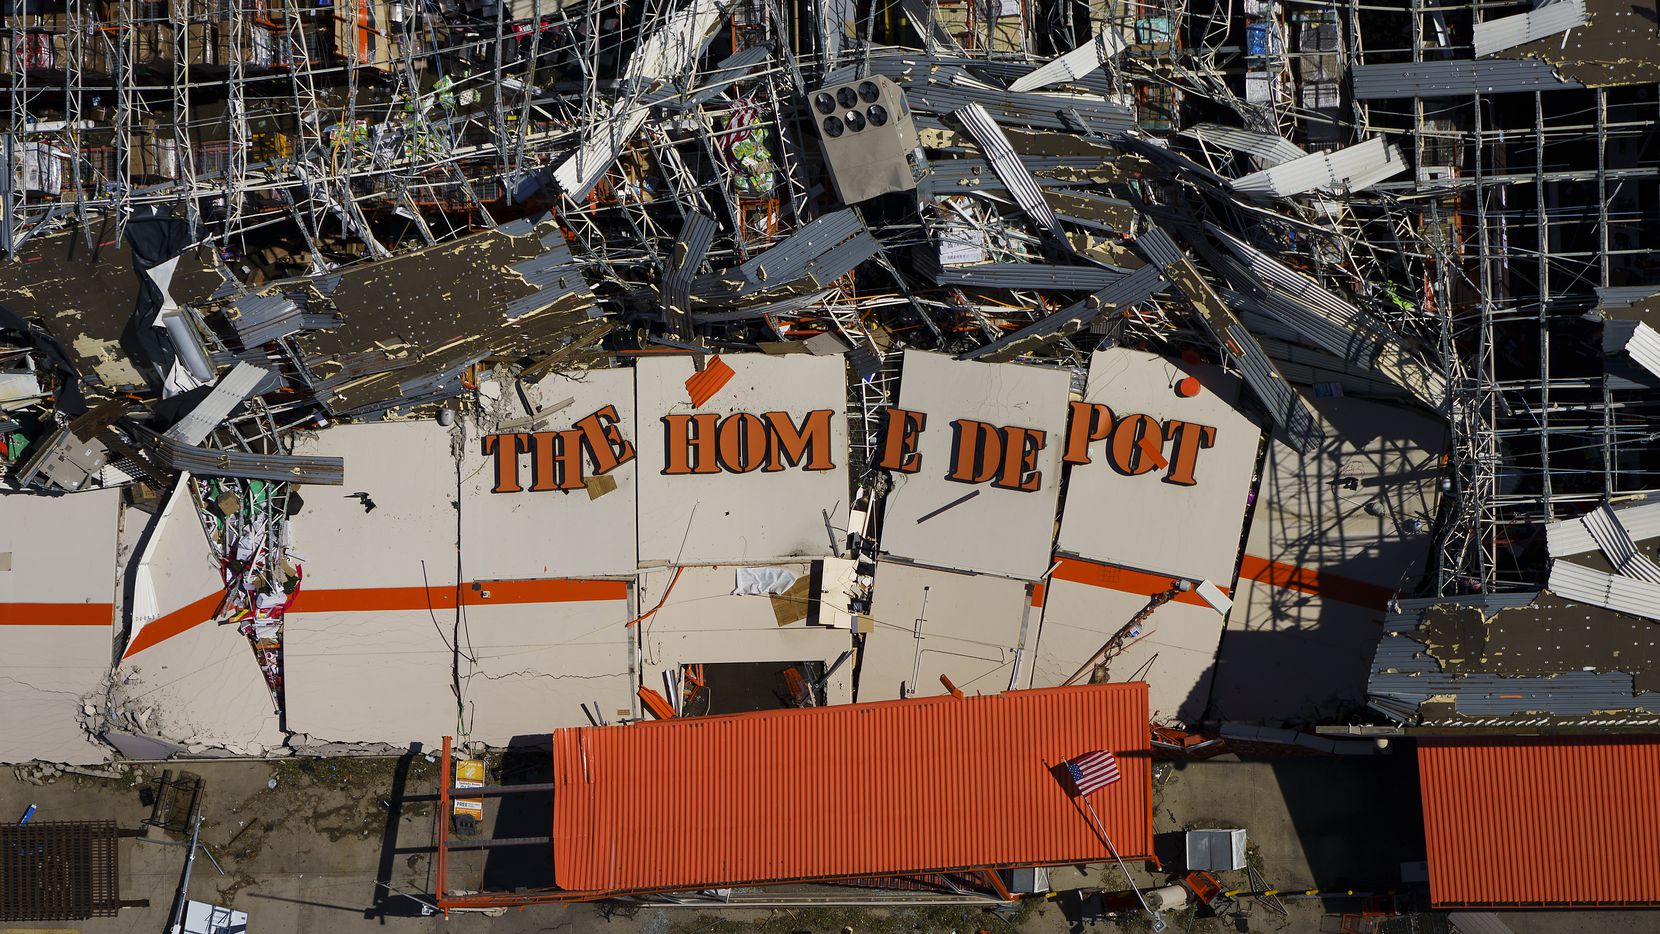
760,582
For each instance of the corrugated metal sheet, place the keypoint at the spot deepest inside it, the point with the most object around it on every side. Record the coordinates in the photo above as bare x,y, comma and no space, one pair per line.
919,16
696,236
1616,543
897,787
1456,79
911,69
1029,276
1354,167
1392,360
1269,148
212,462
785,261
1015,176
1134,288
727,73
1302,323
236,386
556,276
1609,591
1570,537
1507,32
1074,64
842,258
672,47
260,319
581,170
970,176
1157,149
1158,248
1035,109
1644,348
1537,821
781,307
1294,283
1624,296
1405,676
1287,409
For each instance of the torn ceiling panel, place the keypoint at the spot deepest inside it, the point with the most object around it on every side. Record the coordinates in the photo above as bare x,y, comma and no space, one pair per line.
433,312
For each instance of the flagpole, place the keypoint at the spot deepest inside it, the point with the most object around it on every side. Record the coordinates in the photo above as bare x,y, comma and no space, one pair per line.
1100,828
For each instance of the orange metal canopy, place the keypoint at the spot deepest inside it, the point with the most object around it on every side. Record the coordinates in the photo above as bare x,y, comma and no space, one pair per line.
1563,822
891,788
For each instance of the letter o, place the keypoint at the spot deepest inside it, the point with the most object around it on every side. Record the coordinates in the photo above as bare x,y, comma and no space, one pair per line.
743,443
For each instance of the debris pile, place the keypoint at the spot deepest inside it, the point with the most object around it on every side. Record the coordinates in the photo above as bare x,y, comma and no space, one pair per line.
234,229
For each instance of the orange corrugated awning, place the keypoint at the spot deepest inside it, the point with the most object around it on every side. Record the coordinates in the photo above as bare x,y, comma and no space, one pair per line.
1542,822
890,788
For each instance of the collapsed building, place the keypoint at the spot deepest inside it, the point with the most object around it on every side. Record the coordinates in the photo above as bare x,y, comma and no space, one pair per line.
376,374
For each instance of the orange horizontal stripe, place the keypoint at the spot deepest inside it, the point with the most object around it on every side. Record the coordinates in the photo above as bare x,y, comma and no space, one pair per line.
56,614
1038,591
180,620
1124,580
1321,584
371,599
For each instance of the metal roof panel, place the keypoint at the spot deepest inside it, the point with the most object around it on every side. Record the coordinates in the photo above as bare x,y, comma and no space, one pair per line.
894,787
1541,821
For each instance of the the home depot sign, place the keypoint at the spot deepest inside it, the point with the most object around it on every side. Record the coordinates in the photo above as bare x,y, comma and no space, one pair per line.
1006,456
693,443
704,443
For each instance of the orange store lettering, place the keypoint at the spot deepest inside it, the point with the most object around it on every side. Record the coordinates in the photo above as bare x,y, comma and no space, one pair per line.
557,457
1007,456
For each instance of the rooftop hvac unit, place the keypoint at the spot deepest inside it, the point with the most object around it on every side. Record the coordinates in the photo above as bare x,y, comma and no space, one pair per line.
869,138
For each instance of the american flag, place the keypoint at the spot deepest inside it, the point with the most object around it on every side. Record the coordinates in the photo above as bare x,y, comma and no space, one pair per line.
1092,771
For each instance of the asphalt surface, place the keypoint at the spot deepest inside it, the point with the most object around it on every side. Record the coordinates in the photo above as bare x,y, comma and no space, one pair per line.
337,845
